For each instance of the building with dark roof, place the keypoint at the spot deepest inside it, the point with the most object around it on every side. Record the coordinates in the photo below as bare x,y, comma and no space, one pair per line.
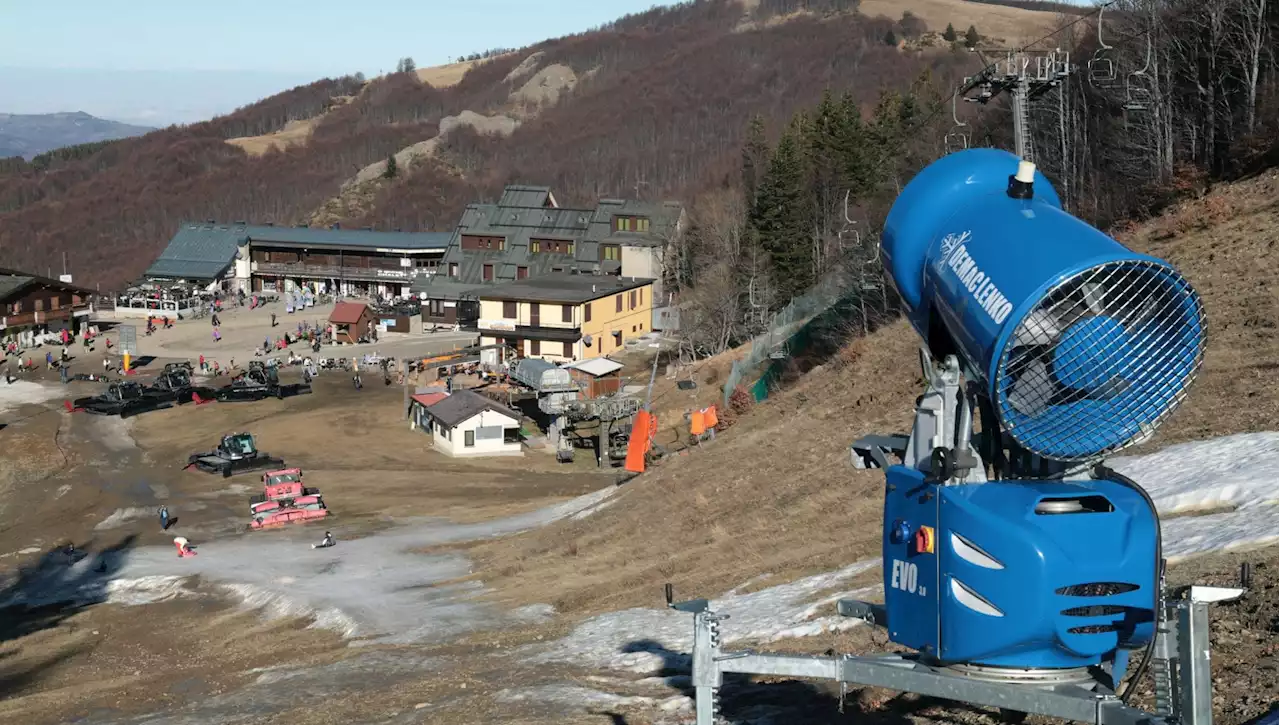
31,305
446,303
466,423
527,234
565,316
266,257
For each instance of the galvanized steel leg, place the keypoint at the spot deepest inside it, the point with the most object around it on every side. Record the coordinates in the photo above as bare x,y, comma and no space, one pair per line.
706,670
1194,683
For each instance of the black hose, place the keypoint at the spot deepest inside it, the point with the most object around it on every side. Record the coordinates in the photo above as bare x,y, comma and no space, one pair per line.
1103,473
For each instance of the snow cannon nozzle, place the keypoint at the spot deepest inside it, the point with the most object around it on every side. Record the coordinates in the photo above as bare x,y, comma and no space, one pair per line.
1022,183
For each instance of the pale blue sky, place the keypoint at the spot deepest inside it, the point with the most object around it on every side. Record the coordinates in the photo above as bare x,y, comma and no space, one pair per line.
57,52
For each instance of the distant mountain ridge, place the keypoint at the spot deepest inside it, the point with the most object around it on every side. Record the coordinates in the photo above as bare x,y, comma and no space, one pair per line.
28,135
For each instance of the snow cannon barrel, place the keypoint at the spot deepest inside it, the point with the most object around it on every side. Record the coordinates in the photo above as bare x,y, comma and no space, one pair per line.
1084,347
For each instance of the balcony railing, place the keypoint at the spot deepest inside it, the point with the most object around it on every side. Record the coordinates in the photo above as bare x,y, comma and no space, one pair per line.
44,316
322,271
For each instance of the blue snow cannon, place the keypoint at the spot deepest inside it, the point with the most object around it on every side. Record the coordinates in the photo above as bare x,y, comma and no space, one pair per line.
1084,346
1079,347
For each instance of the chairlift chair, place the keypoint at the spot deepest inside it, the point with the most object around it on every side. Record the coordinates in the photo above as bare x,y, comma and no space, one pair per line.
1137,95
957,139
1102,69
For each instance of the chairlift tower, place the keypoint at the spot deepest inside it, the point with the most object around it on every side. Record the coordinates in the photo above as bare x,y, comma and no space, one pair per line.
1025,75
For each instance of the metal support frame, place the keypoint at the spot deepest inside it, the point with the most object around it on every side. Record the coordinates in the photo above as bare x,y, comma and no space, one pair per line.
1025,75
1182,651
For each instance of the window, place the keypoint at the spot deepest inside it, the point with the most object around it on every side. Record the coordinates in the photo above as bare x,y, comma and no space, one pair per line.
535,347
39,305
522,272
508,310
622,224
568,349
510,435
642,224
472,241
469,439
586,312
569,248
488,273
453,269
632,300
535,246
566,313
610,252
618,303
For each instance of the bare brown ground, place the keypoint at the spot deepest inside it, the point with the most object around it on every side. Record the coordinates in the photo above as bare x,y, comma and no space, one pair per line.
294,133
62,479
443,76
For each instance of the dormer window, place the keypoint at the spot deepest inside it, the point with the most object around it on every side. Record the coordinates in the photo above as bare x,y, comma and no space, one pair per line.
630,224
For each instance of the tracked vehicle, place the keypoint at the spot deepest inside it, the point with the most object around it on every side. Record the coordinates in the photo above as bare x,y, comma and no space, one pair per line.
257,383
285,500
236,453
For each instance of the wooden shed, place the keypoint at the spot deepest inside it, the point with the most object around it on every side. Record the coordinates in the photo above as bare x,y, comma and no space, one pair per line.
599,375
351,321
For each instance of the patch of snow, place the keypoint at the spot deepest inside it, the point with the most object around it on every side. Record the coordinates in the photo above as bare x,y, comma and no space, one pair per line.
571,696
654,640
23,392
120,517
1237,472
63,490
533,613
372,588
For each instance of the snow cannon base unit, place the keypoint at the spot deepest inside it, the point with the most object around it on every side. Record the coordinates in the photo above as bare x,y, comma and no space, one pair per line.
1023,573
285,500
236,453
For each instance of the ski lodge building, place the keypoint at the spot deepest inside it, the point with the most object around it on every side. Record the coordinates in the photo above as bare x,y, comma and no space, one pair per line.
257,258
32,306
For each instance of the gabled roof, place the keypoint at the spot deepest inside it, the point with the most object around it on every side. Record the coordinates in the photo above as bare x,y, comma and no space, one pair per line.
464,404
199,252
520,216
363,238
562,288
13,282
596,366
347,313
523,195
428,399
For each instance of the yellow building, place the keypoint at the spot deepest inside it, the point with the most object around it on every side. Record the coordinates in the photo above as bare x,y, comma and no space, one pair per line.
564,317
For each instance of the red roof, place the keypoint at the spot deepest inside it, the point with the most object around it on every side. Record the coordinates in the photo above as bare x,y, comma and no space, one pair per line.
429,399
347,313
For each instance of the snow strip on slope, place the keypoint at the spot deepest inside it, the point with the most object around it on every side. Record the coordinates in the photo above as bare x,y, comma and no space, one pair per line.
1239,472
653,640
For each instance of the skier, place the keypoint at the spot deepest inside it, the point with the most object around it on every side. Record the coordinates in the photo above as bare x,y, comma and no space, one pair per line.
326,542
164,518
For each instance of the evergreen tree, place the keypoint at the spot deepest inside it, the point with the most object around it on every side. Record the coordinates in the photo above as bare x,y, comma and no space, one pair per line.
971,37
890,38
949,34
392,168
782,215
755,157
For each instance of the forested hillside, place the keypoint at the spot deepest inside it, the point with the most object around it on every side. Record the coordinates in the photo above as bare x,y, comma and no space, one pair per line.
662,103
718,103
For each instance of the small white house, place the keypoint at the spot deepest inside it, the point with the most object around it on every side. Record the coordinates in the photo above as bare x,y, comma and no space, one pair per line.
469,424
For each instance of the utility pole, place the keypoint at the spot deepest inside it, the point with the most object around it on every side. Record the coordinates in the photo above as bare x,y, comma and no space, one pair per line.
1025,75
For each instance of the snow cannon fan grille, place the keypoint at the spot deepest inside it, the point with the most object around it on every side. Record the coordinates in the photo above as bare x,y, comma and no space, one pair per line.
1101,361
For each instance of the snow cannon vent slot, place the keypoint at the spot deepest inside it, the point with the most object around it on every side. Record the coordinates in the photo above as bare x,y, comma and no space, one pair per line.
1093,629
1074,505
1096,610
1097,589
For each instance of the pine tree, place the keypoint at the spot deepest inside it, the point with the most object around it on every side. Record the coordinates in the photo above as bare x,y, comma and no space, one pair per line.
782,215
392,168
890,38
971,37
949,34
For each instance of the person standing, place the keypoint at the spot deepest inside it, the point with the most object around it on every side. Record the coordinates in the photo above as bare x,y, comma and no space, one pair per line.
164,518
62,373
